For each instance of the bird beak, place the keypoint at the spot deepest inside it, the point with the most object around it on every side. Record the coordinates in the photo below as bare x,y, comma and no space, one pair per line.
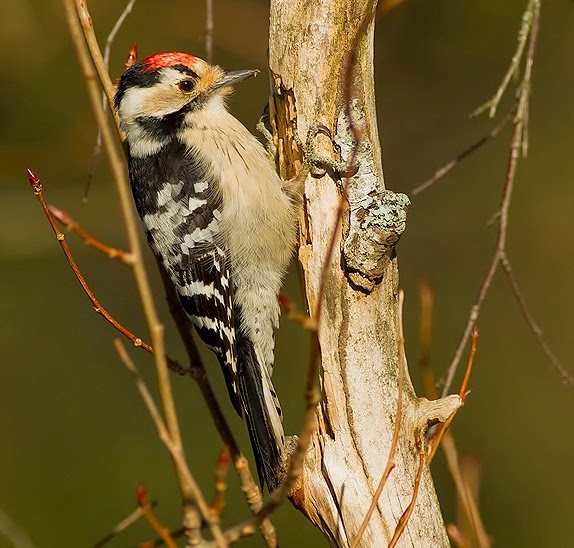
233,77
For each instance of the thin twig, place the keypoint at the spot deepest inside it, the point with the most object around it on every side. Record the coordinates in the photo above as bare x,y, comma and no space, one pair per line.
525,29
123,525
95,53
425,337
173,447
220,484
77,9
470,471
60,236
209,31
404,519
398,419
464,154
469,504
535,328
291,313
152,519
73,226
112,35
437,437
36,184
532,14
107,51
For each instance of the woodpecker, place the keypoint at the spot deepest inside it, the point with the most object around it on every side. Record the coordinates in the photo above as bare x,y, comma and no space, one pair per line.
219,219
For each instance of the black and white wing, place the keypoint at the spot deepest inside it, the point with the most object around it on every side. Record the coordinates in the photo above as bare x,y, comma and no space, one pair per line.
179,210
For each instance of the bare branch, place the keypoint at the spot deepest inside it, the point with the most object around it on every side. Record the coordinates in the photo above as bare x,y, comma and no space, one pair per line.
73,226
528,21
107,50
221,469
464,154
112,35
534,327
149,515
468,503
77,9
172,446
442,429
518,144
404,519
209,31
123,525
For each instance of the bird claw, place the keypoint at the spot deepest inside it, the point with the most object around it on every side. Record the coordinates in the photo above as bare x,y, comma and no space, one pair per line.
317,163
264,127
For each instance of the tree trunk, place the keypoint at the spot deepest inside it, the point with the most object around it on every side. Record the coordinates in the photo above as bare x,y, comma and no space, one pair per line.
310,41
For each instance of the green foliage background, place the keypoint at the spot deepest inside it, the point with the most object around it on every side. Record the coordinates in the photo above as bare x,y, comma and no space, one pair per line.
75,437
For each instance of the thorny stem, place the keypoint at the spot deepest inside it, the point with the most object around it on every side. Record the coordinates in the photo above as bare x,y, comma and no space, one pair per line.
192,496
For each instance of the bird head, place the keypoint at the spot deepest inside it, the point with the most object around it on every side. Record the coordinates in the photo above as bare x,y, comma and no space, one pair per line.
155,95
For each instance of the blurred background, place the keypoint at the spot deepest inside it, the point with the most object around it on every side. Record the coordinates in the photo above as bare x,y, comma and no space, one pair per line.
75,437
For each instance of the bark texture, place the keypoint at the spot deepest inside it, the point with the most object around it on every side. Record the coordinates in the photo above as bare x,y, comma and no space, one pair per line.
309,44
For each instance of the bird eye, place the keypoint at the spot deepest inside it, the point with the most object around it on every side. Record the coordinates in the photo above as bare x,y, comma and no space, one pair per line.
186,85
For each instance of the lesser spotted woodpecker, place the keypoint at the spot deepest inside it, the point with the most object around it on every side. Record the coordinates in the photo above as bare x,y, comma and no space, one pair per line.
220,220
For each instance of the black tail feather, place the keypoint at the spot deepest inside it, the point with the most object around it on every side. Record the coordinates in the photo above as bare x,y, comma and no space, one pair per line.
268,456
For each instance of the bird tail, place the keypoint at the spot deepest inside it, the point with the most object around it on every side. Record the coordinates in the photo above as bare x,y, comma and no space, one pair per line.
263,415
